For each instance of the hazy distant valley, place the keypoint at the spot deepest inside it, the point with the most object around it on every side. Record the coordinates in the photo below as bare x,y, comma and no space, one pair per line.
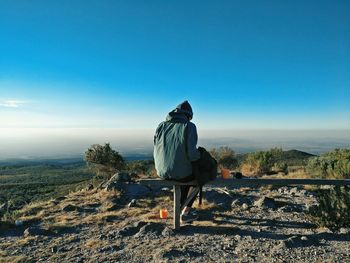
138,144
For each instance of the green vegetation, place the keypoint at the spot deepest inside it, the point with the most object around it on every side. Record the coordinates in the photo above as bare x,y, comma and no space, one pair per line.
333,210
145,167
257,163
334,164
103,160
334,204
25,183
225,157
264,162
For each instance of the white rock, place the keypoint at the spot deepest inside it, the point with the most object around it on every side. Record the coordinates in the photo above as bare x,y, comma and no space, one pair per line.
344,230
19,223
245,206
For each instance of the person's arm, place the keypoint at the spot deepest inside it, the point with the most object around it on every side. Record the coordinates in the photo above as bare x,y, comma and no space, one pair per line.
192,138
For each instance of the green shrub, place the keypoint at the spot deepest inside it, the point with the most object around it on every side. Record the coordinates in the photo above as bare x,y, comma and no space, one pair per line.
257,163
280,167
104,160
334,164
333,210
140,166
264,162
10,216
225,157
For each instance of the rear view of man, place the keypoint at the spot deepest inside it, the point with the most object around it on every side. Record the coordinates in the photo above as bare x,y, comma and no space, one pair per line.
175,148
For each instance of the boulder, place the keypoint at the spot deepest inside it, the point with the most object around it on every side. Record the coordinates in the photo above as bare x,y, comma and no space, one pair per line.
129,189
18,223
116,181
132,203
245,206
35,231
237,202
265,202
295,190
130,230
296,241
150,229
3,208
70,208
167,232
121,177
344,231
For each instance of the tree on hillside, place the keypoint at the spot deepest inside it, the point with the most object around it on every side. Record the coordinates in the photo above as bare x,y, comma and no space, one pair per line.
104,160
225,157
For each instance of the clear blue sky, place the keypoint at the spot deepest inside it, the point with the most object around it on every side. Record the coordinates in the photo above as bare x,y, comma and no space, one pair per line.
125,64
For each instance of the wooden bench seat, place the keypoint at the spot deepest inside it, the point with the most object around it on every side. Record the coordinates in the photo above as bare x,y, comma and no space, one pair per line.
248,182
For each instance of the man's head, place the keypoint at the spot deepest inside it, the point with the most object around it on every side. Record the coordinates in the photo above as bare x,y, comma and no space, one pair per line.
186,107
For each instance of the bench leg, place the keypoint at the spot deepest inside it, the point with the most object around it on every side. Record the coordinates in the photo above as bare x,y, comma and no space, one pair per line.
200,196
177,206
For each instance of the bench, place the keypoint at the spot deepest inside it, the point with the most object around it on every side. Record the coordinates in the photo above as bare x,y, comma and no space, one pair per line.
249,182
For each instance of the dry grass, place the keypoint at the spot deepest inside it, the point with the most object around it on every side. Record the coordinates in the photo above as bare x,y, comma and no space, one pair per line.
34,208
4,245
101,218
300,174
207,205
92,198
249,170
297,173
95,207
95,243
18,243
67,219
36,212
51,214
13,259
24,241
4,258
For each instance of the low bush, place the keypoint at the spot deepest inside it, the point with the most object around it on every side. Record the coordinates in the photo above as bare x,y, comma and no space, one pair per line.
103,160
333,210
140,166
334,164
260,160
225,157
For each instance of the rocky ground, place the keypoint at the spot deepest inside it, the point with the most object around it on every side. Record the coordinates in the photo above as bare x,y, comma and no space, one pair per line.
236,225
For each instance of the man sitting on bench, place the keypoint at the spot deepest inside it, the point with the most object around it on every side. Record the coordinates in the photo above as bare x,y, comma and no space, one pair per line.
175,149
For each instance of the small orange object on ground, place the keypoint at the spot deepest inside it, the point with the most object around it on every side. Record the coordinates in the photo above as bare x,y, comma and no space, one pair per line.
225,173
163,213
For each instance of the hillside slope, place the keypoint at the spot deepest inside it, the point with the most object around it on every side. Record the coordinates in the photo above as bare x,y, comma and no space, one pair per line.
290,157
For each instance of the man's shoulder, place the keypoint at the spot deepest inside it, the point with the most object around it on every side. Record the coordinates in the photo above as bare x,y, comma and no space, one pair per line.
161,124
191,125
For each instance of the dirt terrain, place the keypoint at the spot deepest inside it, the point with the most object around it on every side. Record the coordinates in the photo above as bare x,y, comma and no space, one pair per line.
235,225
